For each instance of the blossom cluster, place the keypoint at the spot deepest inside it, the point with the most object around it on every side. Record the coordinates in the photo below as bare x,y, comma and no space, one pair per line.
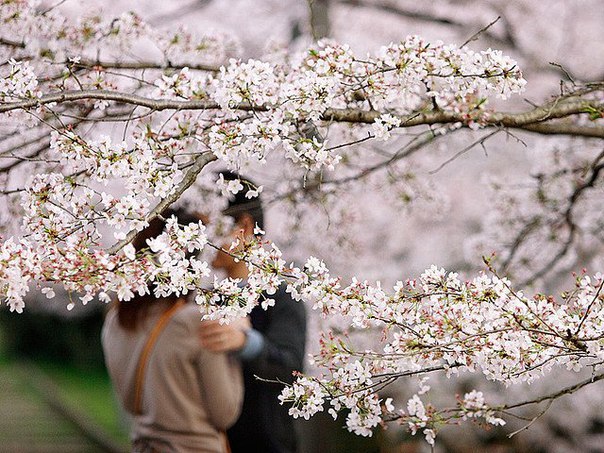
473,406
417,418
505,335
20,82
439,322
229,298
306,397
148,169
165,267
283,96
182,46
88,272
49,34
329,75
182,84
177,272
245,112
384,124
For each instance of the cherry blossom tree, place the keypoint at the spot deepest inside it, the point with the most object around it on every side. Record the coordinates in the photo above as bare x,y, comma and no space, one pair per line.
107,121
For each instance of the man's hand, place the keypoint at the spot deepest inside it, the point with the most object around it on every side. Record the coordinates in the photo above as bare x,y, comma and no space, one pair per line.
218,337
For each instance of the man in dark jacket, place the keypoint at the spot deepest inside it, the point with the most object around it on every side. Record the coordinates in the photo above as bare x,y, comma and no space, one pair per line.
270,344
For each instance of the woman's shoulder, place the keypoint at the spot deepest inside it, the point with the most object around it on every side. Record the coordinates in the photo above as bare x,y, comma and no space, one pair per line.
189,315
110,321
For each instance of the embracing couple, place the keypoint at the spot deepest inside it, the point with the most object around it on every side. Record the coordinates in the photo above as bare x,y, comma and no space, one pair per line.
194,387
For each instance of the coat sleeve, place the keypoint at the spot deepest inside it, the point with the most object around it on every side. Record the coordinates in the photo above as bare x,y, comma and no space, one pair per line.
284,340
221,388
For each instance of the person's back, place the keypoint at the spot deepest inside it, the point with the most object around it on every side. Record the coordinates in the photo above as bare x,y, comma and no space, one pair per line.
265,425
189,396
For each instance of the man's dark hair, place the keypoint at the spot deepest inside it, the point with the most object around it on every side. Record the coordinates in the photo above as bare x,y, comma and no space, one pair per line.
239,205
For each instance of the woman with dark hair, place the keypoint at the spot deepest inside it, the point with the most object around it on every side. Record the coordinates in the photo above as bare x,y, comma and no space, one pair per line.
181,396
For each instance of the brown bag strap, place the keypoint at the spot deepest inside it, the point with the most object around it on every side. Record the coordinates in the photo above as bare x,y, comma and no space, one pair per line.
144,358
225,442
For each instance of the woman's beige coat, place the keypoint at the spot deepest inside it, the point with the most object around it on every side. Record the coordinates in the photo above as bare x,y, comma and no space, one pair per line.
190,395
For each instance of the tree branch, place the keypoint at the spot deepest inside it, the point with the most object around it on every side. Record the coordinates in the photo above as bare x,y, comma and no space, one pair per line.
507,119
565,129
141,65
20,159
401,12
200,162
407,150
522,120
567,219
12,43
126,98
552,396
476,35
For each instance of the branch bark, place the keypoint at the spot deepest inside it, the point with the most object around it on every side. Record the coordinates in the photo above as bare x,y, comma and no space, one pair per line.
12,43
126,98
319,18
133,65
506,119
531,120
565,129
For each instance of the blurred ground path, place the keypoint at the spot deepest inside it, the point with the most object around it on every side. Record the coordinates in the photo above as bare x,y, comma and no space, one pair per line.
33,420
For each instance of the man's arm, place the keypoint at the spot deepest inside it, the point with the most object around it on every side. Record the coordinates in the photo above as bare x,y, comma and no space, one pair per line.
216,337
272,354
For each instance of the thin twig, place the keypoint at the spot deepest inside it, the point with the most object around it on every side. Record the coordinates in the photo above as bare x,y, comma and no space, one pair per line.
533,420
465,150
552,396
50,8
593,301
475,36
563,69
